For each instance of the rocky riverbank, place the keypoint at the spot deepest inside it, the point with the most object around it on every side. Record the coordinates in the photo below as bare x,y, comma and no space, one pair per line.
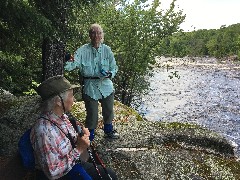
146,150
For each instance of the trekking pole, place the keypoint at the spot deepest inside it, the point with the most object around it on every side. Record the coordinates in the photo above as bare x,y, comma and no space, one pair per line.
80,132
100,161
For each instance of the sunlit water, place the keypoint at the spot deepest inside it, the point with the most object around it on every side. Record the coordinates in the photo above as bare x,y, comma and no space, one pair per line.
206,96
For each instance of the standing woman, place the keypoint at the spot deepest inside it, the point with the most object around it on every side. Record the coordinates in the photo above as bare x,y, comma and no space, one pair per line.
97,66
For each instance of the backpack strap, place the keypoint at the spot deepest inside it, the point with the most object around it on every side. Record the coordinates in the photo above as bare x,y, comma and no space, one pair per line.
73,120
67,135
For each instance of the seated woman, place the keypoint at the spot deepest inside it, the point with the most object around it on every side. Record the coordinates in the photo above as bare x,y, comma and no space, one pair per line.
60,152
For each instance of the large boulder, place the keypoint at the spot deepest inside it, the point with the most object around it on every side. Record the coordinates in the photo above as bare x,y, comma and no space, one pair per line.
146,150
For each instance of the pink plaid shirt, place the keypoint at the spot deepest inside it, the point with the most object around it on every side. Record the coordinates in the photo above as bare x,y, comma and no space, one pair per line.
52,149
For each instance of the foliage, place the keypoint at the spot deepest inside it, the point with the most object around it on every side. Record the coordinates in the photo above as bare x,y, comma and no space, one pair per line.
23,26
32,91
133,31
21,30
238,46
220,43
14,70
143,25
136,32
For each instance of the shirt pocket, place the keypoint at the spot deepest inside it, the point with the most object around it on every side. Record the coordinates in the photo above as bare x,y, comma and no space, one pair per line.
105,64
86,68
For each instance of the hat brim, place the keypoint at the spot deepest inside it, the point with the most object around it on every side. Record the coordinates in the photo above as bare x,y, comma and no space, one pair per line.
74,86
54,86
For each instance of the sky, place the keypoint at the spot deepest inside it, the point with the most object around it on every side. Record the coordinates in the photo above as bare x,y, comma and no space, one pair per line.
207,14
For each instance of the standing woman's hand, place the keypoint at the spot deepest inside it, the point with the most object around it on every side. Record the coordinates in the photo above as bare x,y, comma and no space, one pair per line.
69,57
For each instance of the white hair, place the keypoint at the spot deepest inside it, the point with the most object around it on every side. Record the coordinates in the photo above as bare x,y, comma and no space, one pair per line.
95,25
49,104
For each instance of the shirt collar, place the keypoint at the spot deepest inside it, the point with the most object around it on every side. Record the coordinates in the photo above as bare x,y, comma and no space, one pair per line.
55,118
97,50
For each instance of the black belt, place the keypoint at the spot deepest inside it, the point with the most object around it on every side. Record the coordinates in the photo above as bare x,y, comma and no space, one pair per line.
91,77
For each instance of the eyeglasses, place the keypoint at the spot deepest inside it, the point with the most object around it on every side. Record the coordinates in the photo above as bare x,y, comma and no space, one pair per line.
95,32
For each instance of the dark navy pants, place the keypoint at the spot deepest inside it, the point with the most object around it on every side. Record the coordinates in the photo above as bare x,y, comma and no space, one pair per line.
84,171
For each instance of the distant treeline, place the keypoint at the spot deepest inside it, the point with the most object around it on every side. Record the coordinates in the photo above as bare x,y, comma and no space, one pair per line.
219,43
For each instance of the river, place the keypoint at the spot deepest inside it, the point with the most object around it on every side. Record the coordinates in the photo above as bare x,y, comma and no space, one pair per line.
202,91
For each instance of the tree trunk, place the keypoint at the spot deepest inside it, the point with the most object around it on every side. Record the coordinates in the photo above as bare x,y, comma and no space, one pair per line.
53,53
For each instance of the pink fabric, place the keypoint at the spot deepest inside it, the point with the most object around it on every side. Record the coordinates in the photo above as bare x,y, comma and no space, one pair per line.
52,149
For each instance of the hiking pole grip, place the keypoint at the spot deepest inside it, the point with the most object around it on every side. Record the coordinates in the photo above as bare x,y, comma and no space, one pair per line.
80,131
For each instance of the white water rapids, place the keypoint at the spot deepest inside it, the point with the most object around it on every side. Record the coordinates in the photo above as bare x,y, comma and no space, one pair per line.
204,92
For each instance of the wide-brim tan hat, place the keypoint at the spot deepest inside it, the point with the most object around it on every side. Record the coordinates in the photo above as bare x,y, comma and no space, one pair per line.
54,86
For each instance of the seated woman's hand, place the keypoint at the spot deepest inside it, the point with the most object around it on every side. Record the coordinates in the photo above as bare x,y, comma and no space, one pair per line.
83,142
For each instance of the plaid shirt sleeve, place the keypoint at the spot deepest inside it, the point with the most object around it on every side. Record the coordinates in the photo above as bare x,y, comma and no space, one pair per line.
53,151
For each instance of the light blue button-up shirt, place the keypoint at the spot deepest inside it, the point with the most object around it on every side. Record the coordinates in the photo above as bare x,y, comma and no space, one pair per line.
90,62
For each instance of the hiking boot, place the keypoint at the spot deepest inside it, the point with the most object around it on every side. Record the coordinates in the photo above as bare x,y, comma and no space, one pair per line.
112,135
